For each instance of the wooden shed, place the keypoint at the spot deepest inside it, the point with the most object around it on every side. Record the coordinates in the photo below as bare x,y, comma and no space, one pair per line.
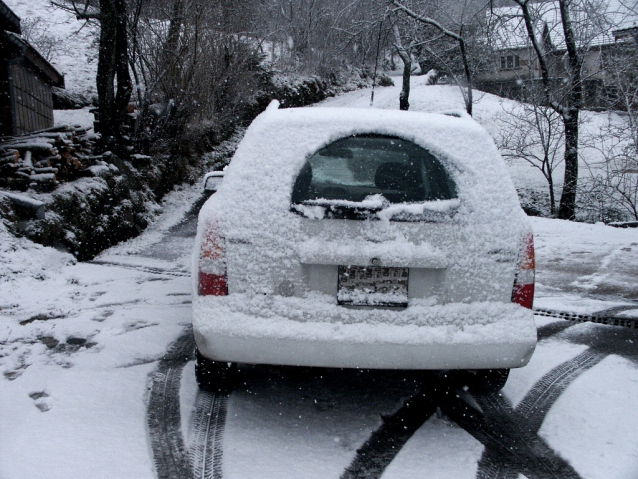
26,79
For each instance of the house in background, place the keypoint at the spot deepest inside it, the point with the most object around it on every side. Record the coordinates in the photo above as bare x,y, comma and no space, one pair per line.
26,79
514,67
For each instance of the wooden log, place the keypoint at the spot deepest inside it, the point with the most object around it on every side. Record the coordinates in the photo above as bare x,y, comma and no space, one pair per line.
9,159
55,128
26,161
15,183
42,163
8,168
19,140
45,170
35,147
11,154
32,136
43,177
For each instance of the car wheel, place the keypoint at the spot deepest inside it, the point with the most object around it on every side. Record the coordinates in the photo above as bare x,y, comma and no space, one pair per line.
214,376
486,381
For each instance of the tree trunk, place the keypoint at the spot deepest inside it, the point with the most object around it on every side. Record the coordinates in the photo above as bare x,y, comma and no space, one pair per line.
112,63
567,208
106,69
404,96
569,112
468,75
124,86
552,198
171,49
456,36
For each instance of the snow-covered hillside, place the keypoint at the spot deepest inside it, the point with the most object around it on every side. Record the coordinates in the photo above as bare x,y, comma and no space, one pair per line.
488,111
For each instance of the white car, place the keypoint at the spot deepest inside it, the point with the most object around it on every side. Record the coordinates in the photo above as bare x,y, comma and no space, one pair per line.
364,238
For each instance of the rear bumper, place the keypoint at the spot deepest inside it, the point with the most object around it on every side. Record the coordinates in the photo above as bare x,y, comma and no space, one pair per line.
281,331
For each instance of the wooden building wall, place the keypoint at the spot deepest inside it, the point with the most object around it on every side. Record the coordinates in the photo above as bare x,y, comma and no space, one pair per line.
6,123
32,100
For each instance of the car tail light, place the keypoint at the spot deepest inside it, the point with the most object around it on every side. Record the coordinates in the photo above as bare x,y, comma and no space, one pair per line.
212,262
523,290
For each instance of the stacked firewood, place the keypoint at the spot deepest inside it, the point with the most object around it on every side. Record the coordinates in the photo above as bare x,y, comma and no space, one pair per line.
42,159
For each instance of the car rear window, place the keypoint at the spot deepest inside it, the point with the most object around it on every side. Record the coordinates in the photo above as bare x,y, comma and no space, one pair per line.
362,168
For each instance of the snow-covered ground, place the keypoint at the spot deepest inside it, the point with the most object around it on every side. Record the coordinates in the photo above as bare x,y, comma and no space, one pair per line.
80,345
82,117
79,341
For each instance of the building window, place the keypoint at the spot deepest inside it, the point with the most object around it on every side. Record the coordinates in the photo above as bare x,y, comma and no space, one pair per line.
510,62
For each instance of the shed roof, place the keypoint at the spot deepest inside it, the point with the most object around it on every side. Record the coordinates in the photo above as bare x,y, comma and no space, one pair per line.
25,50
8,20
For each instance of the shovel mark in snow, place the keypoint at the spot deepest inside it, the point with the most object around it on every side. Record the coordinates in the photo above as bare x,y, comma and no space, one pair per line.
143,269
164,422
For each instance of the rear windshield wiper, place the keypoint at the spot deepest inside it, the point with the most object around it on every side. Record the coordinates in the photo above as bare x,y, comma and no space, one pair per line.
375,208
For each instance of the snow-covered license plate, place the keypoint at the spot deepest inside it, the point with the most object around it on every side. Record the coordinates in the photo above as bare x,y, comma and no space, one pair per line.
372,286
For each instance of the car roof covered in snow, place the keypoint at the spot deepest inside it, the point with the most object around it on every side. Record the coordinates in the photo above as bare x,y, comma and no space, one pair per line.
261,175
253,204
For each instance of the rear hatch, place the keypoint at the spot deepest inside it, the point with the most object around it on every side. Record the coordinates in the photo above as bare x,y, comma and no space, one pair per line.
379,222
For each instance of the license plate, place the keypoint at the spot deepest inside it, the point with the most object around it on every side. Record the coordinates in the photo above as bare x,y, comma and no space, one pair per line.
372,286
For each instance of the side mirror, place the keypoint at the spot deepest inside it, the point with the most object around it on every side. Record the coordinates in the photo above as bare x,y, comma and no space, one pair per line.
212,183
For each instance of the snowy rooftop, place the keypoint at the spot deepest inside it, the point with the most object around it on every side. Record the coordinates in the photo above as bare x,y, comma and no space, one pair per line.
595,23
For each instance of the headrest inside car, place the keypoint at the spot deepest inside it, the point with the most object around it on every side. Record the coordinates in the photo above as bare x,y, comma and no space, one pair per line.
302,184
397,176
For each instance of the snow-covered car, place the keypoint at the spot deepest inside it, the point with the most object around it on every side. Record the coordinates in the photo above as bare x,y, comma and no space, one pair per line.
363,238
212,181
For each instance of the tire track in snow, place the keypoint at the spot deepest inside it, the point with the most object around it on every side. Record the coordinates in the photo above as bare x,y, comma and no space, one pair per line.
540,399
511,447
203,459
209,421
143,269
163,416
527,452
385,443
510,435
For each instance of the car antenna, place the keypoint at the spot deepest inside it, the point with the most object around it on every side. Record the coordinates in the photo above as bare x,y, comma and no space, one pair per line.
376,62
